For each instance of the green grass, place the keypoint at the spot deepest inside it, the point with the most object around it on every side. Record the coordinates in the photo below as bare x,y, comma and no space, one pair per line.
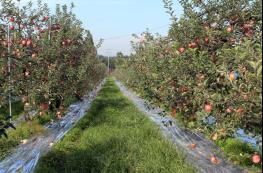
23,131
114,137
239,153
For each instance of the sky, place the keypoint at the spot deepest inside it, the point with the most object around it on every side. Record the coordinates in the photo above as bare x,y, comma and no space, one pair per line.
116,20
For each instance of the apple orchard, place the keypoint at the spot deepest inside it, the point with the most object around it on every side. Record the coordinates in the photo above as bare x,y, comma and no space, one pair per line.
46,60
208,71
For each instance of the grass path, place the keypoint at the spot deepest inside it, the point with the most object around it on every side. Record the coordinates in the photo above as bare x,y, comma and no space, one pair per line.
114,137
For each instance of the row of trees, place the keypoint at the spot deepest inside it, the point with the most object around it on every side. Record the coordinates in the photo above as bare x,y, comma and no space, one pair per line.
208,71
45,59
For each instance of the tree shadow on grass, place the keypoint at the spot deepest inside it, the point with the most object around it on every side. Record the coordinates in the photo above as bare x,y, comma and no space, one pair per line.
108,98
100,114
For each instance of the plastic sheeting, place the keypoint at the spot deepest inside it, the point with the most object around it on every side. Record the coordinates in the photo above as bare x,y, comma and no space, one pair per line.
25,157
200,157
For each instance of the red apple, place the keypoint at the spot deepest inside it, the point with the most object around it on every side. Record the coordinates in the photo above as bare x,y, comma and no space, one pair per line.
29,42
12,27
21,26
229,29
34,56
37,28
208,108
207,40
249,33
23,42
42,31
229,110
173,112
256,159
246,26
214,160
68,41
27,74
193,146
197,40
45,18
240,110
181,50
192,45
12,19
44,106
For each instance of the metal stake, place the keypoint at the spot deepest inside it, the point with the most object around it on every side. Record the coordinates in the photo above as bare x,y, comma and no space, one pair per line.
9,72
108,64
49,34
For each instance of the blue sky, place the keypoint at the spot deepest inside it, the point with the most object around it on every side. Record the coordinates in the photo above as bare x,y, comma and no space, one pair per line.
113,18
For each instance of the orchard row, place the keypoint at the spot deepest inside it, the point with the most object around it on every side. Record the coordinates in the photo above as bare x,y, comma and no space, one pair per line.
208,71
45,60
